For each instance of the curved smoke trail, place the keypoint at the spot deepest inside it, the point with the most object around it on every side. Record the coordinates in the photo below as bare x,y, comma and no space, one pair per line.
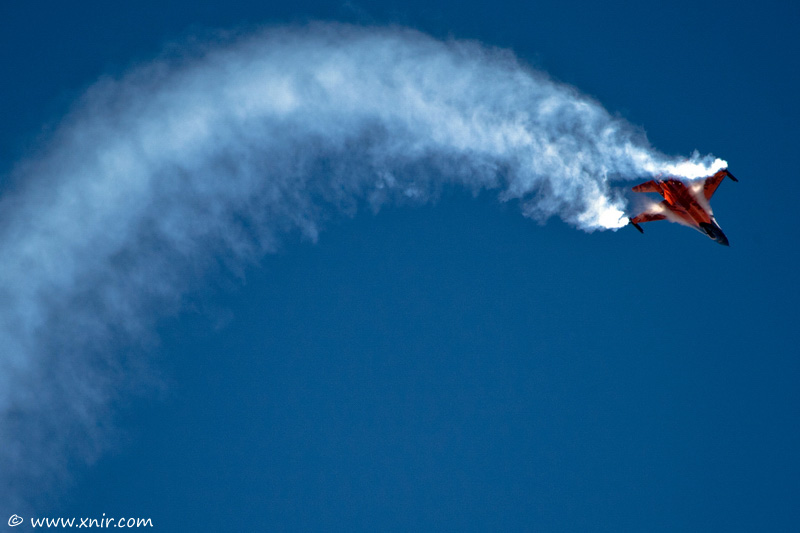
211,157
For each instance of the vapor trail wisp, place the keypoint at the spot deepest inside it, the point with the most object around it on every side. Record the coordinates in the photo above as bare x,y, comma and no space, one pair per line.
185,163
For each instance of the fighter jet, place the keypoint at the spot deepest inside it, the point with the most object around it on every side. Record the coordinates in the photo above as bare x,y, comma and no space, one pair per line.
685,203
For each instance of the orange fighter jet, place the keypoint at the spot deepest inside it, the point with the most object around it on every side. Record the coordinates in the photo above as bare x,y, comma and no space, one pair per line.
685,203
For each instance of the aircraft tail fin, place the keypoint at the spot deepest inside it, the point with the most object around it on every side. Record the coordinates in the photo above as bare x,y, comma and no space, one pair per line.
648,186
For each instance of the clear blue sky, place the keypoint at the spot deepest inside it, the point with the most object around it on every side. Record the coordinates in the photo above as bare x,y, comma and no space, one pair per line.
458,366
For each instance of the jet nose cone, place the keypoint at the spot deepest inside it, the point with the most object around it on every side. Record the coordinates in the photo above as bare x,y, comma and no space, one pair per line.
715,232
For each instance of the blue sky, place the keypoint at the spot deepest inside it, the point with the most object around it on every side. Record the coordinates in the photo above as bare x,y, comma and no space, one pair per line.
455,365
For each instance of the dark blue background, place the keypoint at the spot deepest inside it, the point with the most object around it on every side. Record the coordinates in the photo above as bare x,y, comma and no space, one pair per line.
458,366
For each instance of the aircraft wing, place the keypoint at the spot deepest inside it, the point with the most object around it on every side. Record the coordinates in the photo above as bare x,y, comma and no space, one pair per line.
647,217
712,182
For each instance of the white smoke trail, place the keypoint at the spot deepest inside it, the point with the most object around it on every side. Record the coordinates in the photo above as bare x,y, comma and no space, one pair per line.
156,177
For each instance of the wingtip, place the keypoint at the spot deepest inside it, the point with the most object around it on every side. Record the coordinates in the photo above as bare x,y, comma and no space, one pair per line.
725,172
635,225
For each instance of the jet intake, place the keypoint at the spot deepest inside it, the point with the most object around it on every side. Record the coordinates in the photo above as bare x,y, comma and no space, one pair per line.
715,232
